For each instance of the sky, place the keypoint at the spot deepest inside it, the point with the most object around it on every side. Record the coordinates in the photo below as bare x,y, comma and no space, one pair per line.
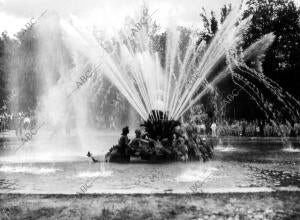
104,14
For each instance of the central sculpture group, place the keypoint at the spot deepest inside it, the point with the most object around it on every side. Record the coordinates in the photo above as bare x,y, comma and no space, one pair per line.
161,140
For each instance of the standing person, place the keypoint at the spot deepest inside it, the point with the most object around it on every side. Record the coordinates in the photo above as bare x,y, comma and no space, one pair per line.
15,122
202,128
1,123
20,123
7,121
244,125
112,124
257,129
261,128
213,129
26,122
4,118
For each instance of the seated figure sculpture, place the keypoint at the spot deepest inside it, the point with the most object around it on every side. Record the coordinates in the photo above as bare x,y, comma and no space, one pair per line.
136,144
186,144
120,152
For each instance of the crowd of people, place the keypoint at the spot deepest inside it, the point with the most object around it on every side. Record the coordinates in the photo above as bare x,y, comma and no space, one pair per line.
18,121
249,129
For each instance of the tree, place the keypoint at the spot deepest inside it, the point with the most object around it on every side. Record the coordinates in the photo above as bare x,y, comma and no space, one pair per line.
211,23
282,59
5,54
2,71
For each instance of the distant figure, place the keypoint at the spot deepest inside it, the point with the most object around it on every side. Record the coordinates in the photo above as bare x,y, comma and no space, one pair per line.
91,156
202,129
213,129
26,123
257,130
20,121
244,125
112,123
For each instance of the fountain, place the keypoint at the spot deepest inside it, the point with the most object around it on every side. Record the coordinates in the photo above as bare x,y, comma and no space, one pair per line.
160,87
162,93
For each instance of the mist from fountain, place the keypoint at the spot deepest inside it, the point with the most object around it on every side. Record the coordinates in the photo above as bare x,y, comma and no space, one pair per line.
189,73
63,54
135,68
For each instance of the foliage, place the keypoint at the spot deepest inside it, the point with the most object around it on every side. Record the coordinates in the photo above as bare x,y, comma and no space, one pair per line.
211,23
282,18
281,62
3,91
209,110
23,71
197,114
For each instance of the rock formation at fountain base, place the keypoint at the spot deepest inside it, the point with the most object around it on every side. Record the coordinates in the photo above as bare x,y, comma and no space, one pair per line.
163,140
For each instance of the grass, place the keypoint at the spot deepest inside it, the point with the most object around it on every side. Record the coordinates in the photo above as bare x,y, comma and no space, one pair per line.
274,205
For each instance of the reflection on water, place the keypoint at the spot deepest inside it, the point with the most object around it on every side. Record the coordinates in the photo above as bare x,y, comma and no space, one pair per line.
246,165
225,148
196,174
290,148
7,185
88,174
274,178
27,169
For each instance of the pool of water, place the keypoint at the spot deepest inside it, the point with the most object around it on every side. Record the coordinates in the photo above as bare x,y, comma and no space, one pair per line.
239,165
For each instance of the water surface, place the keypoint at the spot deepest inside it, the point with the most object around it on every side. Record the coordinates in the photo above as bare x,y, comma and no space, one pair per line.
240,164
